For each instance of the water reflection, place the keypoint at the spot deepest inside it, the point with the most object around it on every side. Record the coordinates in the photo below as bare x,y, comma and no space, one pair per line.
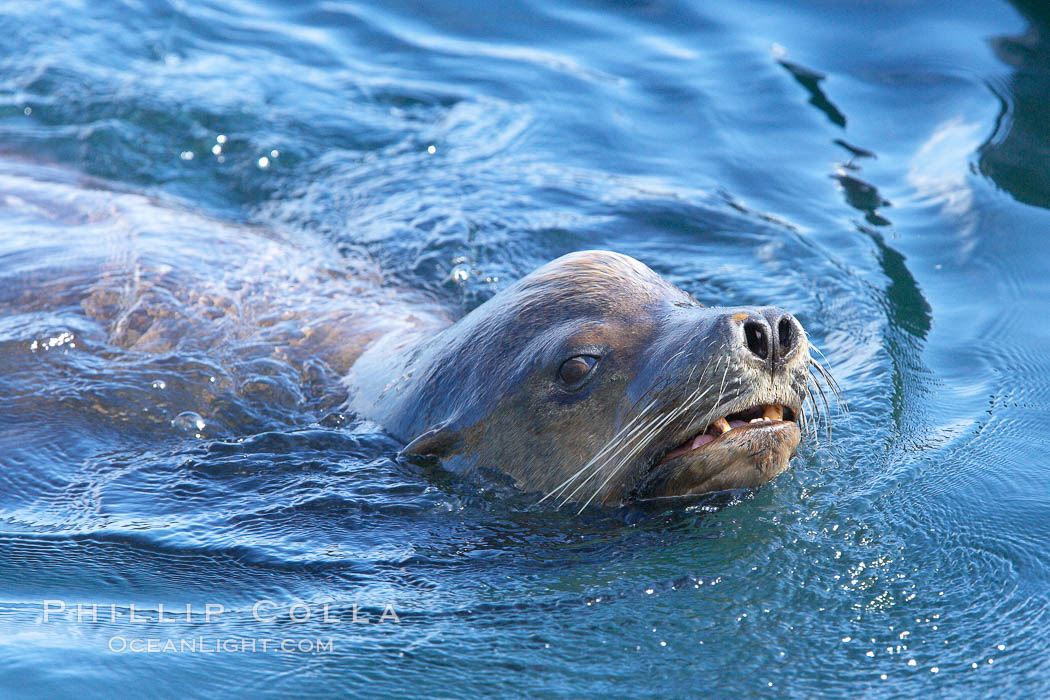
863,196
1016,160
859,194
811,79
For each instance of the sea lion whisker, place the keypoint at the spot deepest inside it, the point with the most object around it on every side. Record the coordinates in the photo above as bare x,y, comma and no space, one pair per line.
608,445
829,377
824,399
642,427
625,443
598,467
657,425
827,407
722,385
804,420
653,427
833,385
612,473
815,417
672,358
819,351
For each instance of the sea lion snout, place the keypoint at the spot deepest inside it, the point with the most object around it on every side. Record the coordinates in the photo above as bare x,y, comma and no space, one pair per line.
771,336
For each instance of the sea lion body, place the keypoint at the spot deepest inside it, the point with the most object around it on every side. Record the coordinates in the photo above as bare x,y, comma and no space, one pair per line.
591,379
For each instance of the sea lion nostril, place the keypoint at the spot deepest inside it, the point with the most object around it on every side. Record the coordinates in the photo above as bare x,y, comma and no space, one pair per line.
786,335
757,339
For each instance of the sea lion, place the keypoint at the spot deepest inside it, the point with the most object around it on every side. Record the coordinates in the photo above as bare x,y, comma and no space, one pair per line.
593,379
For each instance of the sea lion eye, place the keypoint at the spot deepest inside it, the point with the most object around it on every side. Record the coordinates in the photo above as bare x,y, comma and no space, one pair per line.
574,369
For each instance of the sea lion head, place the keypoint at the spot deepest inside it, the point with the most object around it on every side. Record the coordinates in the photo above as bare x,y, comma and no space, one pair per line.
593,379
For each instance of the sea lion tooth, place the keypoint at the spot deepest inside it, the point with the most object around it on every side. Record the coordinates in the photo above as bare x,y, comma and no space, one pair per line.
758,420
722,425
773,412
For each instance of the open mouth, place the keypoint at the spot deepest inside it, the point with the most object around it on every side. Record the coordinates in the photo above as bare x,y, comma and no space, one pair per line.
757,416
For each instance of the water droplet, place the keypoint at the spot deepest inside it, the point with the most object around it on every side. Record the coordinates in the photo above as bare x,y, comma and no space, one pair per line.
216,149
27,111
911,662
159,384
264,162
188,422
221,138
459,274
186,155
275,153
431,150
934,669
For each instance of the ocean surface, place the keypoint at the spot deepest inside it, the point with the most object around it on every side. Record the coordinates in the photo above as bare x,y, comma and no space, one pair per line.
881,169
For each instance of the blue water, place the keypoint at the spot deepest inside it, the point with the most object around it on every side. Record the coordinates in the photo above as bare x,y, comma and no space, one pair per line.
880,169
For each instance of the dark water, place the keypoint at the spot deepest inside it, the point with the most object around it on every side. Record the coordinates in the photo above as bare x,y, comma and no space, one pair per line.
880,169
